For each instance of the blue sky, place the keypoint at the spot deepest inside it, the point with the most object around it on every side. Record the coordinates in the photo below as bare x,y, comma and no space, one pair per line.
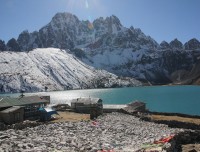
161,19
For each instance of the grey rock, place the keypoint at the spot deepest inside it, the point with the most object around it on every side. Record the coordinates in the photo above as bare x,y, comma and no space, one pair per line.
192,44
115,131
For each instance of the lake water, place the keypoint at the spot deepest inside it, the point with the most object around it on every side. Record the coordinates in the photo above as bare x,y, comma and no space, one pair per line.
179,99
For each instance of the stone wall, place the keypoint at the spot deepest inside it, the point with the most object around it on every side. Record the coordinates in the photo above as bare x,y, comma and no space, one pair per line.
186,137
19,126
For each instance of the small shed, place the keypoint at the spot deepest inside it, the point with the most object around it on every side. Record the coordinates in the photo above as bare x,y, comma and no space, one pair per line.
12,115
92,106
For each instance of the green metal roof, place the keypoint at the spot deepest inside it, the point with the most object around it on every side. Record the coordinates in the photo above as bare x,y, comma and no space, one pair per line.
22,101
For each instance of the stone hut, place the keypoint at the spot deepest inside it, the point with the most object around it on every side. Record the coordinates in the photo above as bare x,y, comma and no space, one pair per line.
92,106
12,115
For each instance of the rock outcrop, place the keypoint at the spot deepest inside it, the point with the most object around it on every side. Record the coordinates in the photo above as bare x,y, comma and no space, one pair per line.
192,44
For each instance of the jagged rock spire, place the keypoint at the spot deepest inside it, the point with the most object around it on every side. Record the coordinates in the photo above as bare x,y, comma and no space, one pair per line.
192,44
176,44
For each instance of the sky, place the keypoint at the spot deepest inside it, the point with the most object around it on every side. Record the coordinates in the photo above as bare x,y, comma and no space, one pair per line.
160,19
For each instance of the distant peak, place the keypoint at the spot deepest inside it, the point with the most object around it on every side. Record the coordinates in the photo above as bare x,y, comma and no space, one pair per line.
164,45
25,31
108,20
164,42
176,44
132,28
175,40
64,16
194,40
61,14
192,44
114,19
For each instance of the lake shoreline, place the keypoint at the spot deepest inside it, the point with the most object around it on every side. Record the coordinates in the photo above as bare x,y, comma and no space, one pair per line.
79,89
170,99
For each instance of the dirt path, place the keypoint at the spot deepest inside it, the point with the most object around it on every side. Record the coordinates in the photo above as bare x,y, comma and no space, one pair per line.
71,116
176,118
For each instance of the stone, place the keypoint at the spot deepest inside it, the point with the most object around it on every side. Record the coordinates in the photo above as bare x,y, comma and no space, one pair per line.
115,131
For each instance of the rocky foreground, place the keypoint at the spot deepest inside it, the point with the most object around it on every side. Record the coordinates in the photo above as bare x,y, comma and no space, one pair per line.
116,131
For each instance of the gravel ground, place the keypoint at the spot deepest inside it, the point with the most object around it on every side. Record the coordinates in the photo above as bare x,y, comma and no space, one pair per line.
116,131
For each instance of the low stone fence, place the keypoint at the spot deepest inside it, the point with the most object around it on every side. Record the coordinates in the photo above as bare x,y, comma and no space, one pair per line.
22,125
184,138
177,124
174,114
170,123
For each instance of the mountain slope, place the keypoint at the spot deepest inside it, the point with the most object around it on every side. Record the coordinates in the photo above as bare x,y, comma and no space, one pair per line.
187,77
106,44
52,68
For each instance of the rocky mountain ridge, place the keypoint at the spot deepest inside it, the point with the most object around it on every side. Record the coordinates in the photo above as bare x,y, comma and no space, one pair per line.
66,31
107,44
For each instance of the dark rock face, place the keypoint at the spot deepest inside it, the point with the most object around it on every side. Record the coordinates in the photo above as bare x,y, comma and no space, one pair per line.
60,32
28,41
176,44
164,45
164,64
192,44
173,61
2,46
13,45
23,40
187,141
78,53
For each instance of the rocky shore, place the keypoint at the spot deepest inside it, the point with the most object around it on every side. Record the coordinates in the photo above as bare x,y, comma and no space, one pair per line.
114,131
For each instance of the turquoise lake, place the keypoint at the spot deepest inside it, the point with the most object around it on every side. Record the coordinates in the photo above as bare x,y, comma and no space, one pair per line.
178,99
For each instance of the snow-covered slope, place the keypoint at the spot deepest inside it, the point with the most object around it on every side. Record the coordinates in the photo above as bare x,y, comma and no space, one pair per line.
52,68
154,66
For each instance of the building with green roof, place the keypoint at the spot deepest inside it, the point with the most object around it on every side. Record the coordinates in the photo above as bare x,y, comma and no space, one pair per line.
29,104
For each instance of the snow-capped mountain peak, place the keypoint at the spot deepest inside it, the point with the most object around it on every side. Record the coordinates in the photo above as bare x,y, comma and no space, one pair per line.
106,44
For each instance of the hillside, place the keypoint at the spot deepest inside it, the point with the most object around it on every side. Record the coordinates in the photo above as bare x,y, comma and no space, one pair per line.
54,69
